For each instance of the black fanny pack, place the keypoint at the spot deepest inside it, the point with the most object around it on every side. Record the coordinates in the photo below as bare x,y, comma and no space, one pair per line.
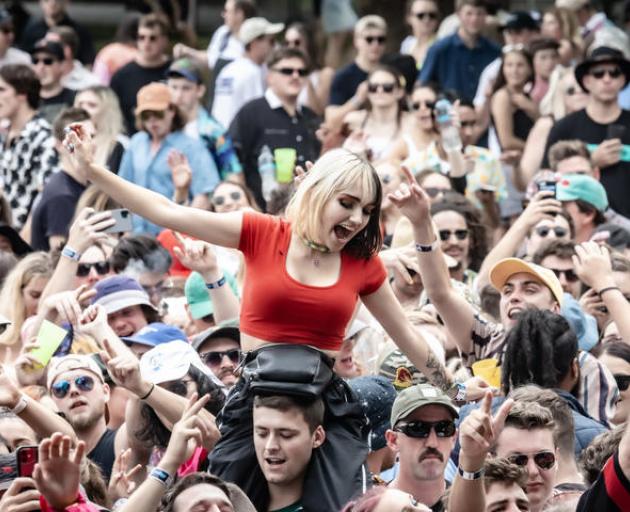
287,369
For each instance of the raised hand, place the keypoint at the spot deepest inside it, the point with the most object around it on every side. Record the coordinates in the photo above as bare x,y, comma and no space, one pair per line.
87,229
9,392
593,266
58,469
197,255
66,306
413,202
180,169
124,369
480,430
121,484
542,206
80,145
93,321
21,496
300,173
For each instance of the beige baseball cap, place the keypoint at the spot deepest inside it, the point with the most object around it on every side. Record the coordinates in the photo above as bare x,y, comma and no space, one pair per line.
253,28
502,270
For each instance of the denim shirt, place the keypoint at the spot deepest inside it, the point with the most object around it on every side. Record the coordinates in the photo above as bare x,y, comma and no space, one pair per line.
152,171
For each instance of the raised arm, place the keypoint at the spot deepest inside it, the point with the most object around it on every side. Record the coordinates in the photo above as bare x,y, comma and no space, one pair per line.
217,228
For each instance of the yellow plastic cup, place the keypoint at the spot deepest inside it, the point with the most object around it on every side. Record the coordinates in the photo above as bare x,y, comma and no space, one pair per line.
489,370
285,164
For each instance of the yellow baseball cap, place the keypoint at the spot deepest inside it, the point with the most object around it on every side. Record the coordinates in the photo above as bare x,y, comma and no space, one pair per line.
507,267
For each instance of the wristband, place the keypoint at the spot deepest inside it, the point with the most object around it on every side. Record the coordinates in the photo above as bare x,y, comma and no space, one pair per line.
20,406
468,475
607,289
164,477
149,392
70,253
216,284
428,248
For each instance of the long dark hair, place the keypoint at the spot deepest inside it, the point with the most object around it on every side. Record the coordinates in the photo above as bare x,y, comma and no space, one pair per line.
400,84
500,82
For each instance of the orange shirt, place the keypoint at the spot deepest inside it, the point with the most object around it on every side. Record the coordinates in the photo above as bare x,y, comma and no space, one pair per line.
276,307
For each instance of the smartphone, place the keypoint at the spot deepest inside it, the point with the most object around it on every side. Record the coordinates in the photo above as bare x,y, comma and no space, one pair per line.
547,185
26,460
123,224
615,131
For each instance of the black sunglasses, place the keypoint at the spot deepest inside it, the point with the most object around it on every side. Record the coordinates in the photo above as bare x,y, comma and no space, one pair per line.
219,200
429,15
569,274
417,105
422,429
433,192
148,114
460,234
623,381
83,383
215,358
291,71
612,73
544,460
101,267
388,88
372,39
543,231
47,61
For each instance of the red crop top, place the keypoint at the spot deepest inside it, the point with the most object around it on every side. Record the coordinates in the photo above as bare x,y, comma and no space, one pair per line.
276,307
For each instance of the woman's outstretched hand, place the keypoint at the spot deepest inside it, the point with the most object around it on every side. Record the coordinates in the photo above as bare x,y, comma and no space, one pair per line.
412,201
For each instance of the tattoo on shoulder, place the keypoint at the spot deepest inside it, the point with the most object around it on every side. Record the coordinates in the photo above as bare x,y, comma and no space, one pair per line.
437,372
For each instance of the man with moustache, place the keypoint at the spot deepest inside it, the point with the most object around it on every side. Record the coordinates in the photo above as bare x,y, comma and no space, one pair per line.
423,435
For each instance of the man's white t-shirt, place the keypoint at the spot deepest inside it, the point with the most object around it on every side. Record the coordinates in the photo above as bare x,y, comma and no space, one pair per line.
241,81
223,45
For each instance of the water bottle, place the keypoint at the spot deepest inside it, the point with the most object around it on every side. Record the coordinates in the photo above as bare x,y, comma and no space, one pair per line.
451,140
267,170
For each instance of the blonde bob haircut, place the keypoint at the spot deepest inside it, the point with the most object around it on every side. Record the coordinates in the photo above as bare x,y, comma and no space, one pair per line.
334,173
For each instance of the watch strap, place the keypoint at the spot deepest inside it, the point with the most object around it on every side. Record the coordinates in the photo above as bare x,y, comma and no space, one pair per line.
470,475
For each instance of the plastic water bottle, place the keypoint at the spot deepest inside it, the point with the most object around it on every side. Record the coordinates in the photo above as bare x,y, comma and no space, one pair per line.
267,170
451,140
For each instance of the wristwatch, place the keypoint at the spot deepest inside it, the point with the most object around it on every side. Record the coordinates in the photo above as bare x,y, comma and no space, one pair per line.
428,248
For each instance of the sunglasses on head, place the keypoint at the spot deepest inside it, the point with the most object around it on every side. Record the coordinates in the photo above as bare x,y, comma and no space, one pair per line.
429,15
83,383
460,234
148,114
214,358
417,105
612,73
220,200
375,39
388,88
623,381
46,61
569,274
543,231
422,429
544,460
101,267
291,71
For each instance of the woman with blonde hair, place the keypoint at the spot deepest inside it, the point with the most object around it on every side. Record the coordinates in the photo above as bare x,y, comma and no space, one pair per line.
305,276
563,26
101,103
19,299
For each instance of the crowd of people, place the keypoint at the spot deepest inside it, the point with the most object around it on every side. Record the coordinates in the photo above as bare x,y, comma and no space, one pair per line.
260,277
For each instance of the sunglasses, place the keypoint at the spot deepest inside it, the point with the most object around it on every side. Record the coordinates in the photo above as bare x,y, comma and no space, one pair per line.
61,388
623,381
422,429
291,71
101,267
544,460
46,61
388,88
375,39
460,234
417,105
612,73
220,200
215,358
569,274
179,388
433,192
150,38
509,48
543,231
148,114
429,15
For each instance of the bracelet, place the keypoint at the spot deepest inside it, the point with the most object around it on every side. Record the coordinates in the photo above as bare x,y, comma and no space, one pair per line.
164,477
216,284
149,392
470,475
428,248
20,406
607,289
70,253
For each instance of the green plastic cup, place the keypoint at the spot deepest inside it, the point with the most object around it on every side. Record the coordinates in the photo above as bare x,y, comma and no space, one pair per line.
285,164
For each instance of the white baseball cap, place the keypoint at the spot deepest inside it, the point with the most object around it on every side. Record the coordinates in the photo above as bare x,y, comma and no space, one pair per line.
253,28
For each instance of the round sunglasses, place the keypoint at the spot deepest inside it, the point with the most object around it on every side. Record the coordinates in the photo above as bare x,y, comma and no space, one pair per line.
214,358
62,387
220,200
422,429
544,460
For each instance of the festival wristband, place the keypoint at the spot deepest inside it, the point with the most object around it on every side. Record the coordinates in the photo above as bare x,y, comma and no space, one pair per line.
216,284
70,253
164,477
469,475
428,248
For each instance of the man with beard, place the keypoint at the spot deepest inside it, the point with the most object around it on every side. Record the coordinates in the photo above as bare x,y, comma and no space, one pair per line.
423,435
220,348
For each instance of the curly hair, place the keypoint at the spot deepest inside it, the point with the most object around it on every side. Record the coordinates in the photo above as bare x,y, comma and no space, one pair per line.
539,335
456,202
595,455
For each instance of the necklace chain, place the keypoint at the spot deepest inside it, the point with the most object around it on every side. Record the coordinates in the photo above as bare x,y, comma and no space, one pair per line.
315,246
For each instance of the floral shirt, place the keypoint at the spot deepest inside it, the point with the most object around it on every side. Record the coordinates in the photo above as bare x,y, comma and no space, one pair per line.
219,143
26,163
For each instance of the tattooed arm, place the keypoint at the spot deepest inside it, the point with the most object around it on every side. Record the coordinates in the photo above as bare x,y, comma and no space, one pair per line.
388,311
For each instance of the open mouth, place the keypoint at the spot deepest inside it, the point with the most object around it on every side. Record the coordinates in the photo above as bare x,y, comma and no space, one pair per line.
274,461
342,233
78,404
515,313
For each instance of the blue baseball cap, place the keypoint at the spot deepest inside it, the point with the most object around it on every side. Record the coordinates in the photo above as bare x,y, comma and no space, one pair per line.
583,187
155,334
119,292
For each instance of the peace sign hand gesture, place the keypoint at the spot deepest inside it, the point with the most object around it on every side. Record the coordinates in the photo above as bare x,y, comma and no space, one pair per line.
480,430
413,202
